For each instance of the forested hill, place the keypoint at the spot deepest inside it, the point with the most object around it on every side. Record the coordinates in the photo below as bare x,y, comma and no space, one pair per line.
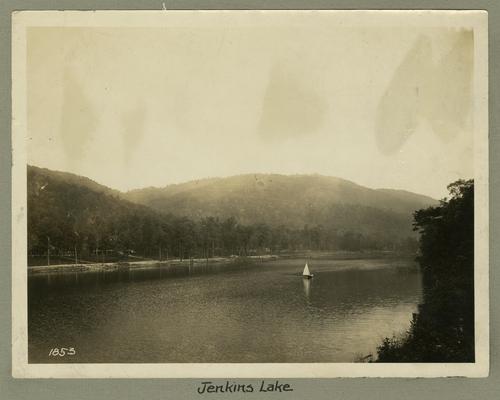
69,214
291,200
36,175
67,210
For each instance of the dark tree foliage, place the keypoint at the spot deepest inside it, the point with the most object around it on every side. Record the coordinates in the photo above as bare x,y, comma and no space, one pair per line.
73,218
443,328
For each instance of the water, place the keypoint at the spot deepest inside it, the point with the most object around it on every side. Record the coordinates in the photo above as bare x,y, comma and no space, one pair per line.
263,312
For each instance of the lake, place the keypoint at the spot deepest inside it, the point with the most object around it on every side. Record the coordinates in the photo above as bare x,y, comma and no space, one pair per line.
260,312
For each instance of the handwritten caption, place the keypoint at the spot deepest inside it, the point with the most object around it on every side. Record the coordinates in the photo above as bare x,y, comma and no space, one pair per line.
276,386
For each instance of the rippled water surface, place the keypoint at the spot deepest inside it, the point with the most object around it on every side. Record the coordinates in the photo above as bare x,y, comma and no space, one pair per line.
264,312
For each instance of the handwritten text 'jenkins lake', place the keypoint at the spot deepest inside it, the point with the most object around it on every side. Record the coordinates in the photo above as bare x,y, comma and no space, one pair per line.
233,387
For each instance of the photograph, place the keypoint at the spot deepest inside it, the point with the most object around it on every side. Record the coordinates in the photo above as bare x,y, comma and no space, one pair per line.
250,193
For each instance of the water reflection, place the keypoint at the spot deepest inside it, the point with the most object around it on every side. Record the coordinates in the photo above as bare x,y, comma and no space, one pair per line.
252,313
42,282
307,286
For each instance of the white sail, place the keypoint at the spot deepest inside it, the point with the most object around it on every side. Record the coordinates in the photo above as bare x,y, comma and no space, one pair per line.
306,271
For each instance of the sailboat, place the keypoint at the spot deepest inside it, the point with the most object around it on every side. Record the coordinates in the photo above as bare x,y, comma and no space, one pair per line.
306,274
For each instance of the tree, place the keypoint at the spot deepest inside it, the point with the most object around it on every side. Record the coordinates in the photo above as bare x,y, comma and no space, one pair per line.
443,329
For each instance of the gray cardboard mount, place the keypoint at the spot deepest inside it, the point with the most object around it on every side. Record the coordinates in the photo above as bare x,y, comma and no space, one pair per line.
346,388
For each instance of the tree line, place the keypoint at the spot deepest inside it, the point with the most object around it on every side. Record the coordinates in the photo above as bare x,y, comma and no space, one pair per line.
70,220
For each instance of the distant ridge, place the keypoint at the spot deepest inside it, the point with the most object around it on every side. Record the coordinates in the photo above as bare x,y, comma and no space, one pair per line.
217,216
410,196
291,200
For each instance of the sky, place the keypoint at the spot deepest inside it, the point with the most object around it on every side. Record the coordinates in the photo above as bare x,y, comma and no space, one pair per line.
132,107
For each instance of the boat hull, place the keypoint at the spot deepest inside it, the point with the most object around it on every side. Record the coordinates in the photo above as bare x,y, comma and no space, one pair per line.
307,276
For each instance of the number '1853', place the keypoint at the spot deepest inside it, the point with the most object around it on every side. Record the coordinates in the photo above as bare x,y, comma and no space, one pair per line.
62,351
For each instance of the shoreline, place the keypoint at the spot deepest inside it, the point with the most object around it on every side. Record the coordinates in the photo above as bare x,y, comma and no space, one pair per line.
144,264
199,262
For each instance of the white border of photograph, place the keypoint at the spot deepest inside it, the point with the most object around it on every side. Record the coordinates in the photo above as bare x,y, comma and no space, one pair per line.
476,20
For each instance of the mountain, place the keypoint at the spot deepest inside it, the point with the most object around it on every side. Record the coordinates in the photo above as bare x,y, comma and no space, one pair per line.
67,210
247,214
290,200
38,175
